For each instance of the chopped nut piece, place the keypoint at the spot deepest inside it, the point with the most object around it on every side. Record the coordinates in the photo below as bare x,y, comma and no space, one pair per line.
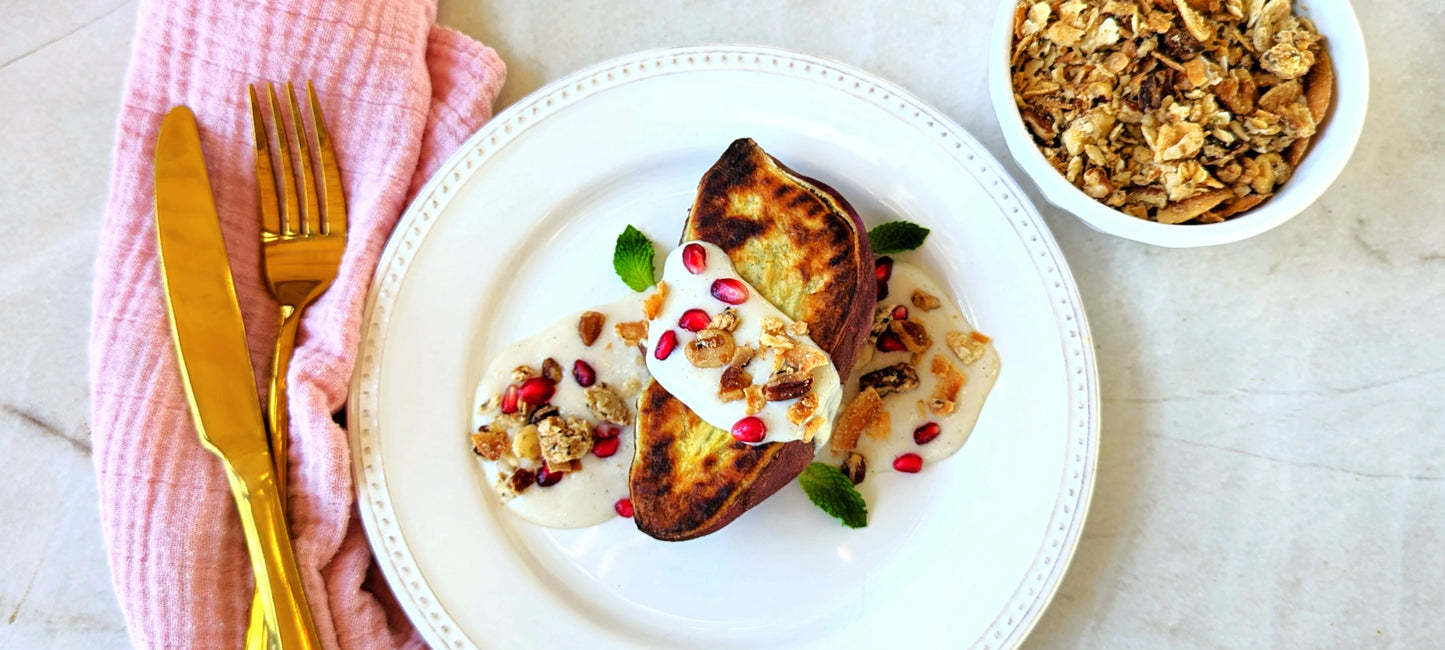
856,418
734,380
631,333
508,486
803,358
563,440
522,373
590,326
551,369
925,301
882,318
798,328
897,378
803,409
1190,208
710,349
726,321
489,444
855,467
652,304
543,412
913,334
526,445
775,334
755,399
607,405
743,355
787,386
967,348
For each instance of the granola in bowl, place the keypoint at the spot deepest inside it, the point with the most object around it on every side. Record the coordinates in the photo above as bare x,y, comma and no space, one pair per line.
1173,111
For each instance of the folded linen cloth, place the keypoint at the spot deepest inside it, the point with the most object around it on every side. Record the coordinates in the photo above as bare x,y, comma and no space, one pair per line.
399,94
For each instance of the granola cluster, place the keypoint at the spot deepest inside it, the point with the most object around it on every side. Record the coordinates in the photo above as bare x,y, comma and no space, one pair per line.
1171,110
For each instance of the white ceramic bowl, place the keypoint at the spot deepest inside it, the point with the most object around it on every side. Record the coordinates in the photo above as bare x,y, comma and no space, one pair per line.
1327,156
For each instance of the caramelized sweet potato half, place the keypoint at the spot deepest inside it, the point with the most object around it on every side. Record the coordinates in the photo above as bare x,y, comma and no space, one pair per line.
805,249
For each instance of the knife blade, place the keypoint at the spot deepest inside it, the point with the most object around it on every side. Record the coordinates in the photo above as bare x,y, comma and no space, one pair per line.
215,365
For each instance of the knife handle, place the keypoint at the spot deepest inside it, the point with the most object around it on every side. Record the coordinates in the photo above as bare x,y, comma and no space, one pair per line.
273,562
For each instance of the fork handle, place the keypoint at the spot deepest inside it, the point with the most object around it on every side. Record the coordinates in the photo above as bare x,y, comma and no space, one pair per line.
278,422
273,562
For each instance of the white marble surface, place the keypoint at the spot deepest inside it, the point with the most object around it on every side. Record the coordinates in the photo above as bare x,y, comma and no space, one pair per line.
1272,469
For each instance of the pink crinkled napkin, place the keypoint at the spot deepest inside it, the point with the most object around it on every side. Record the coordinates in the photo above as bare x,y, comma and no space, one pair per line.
399,93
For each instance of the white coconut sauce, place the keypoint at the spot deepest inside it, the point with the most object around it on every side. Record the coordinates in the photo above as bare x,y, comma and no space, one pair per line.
908,410
585,497
698,387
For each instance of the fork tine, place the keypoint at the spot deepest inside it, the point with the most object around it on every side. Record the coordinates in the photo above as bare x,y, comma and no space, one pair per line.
335,223
265,176
290,225
310,214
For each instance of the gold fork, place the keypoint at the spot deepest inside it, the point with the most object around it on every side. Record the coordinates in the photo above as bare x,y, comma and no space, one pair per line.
301,247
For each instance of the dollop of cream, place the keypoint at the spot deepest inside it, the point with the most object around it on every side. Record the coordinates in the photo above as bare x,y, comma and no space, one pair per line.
698,387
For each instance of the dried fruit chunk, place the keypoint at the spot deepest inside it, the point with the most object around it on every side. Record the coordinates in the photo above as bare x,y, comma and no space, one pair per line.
607,405
652,304
803,409
967,347
855,419
945,392
589,326
913,335
755,399
881,426
632,332
564,440
489,444
925,301
710,349
897,378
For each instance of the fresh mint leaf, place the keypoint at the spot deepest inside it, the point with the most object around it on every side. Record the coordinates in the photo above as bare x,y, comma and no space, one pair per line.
896,237
632,259
829,489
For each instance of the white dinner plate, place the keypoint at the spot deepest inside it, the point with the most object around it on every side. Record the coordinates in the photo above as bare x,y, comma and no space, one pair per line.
516,230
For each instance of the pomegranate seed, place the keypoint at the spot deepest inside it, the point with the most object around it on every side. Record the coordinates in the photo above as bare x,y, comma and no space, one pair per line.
889,342
547,478
583,373
605,447
607,430
509,400
694,320
730,291
537,390
883,268
907,463
926,433
750,429
694,257
882,290
665,345
623,507
900,313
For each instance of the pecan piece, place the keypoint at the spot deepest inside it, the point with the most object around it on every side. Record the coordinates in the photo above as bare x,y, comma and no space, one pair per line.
589,326
855,467
552,370
787,386
897,378
733,382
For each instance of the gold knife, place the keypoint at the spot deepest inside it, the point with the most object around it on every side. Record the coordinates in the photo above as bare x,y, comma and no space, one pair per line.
215,365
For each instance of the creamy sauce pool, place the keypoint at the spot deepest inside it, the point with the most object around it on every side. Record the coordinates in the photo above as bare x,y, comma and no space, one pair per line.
908,410
585,497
